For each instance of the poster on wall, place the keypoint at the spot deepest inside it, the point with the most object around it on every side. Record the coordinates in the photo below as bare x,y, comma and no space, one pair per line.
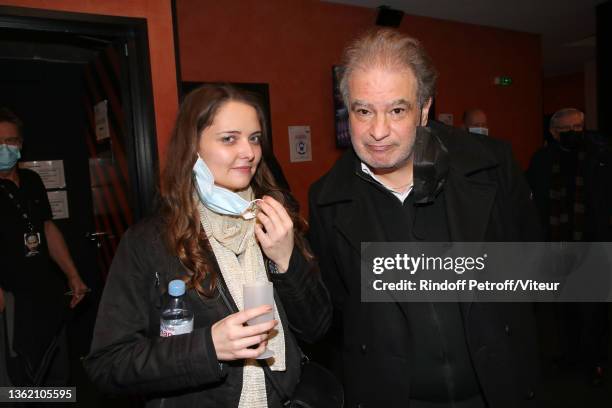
299,144
59,204
50,171
446,118
343,137
101,118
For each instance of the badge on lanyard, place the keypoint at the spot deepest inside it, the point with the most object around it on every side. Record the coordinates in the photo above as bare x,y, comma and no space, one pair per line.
31,239
31,242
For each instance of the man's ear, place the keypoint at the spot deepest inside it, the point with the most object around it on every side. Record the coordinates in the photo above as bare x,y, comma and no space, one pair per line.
554,133
425,112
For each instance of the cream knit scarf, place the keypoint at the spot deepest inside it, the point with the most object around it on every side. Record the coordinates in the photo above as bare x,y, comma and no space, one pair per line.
240,260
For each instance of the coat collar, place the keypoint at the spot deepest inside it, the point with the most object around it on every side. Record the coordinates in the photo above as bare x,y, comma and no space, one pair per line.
338,183
467,155
469,194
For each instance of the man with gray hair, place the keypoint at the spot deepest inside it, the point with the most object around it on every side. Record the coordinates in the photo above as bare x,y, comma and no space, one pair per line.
556,177
564,121
570,178
405,180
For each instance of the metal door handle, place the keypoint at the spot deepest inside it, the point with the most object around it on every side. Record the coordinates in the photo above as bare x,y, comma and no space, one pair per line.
95,236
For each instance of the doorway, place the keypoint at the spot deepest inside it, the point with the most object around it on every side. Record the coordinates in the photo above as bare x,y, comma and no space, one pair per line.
82,86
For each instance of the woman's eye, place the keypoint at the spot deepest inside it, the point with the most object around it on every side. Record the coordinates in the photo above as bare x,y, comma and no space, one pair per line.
227,139
255,139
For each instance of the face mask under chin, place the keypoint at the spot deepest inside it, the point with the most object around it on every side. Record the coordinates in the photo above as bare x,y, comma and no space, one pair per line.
219,199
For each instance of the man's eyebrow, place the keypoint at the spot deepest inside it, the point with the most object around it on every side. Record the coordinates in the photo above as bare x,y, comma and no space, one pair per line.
402,102
358,103
363,104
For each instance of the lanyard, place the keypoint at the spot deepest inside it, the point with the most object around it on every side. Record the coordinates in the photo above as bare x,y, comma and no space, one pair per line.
19,207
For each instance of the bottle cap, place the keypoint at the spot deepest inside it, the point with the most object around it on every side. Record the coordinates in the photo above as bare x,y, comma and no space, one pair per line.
176,288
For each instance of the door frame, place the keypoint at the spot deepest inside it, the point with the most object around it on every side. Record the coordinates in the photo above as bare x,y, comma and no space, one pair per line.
140,126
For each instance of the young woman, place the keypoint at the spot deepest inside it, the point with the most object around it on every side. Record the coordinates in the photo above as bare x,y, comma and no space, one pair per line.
214,236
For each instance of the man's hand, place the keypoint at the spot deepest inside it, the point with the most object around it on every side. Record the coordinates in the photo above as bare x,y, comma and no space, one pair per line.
78,289
59,253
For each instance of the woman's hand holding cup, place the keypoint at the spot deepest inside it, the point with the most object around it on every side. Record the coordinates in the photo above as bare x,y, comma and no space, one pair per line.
232,338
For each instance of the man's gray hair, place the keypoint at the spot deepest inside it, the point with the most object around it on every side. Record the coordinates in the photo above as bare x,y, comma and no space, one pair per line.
388,48
558,115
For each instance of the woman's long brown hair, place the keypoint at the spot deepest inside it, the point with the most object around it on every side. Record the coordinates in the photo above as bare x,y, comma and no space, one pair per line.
184,235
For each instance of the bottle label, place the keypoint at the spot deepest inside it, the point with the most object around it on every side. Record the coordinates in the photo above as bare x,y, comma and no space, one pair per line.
167,330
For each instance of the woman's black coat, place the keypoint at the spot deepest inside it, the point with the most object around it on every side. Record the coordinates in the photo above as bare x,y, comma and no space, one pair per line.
129,357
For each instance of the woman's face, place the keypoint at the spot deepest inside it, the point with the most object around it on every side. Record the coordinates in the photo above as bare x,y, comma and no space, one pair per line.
231,145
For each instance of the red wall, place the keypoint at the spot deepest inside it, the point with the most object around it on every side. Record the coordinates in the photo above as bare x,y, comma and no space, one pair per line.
161,47
292,45
565,91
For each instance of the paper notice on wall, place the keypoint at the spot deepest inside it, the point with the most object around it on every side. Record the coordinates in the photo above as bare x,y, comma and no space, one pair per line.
50,171
299,144
101,119
59,204
446,118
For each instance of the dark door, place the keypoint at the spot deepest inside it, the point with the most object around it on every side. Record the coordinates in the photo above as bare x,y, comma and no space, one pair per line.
54,74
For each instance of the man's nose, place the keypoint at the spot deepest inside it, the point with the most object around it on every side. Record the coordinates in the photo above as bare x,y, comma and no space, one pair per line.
380,127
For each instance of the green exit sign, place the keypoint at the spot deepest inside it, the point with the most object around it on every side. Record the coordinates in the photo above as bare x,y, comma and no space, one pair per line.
503,81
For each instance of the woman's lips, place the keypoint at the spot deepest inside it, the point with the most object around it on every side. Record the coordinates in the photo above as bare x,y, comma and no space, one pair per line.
242,169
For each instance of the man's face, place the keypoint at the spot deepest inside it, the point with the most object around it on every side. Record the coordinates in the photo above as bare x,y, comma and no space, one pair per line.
476,119
32,242
566,123
9,134
384,114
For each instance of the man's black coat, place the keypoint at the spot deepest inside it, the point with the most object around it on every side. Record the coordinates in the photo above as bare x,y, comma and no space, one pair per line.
487,200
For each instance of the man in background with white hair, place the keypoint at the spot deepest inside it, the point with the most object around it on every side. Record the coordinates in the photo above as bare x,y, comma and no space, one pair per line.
571,181
564,121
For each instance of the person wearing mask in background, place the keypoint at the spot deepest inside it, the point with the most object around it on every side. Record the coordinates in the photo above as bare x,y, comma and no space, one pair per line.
429,354
475,121
212,234
29,241
571,179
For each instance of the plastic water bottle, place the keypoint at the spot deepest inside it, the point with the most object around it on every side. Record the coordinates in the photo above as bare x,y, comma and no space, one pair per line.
176,316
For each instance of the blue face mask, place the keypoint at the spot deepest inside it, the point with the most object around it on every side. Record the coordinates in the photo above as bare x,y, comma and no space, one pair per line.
479,130
219,199
9,155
